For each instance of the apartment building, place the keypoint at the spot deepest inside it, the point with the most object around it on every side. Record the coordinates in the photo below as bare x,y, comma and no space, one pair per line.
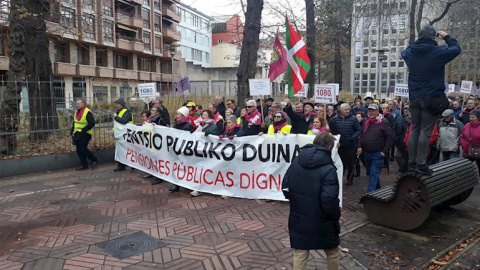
104,48
196,32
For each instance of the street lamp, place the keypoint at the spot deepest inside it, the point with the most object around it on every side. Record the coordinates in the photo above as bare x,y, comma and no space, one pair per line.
380,57
172,53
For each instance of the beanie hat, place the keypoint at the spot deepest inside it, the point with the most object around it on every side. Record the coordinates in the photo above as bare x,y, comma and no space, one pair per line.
120,101
476,113
427,32
183,111
232,118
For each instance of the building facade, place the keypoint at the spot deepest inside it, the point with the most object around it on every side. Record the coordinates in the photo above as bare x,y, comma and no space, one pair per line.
104,48
196,31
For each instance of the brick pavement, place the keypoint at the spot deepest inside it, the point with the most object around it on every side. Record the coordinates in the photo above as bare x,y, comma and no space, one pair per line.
53,220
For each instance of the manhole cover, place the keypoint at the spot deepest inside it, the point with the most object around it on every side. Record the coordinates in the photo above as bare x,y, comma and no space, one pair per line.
131,245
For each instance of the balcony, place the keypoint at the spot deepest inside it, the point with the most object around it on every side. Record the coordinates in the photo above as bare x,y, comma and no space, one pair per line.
156,77
125,74
144,76
128,19
86,70
64,69
104,72
140,2
4,63
170,34
130,45
170,12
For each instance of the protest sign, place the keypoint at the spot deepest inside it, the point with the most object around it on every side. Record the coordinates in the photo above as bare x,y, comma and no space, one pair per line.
337,88
250,167
325,93
451,88
303,92
466,87
401,90
259,87
147,90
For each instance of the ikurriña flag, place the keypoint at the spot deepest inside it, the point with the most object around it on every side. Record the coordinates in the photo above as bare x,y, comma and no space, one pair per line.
278,62
297,58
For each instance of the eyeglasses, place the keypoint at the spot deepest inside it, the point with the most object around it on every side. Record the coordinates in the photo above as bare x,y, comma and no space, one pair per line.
277,116
229,104
250,106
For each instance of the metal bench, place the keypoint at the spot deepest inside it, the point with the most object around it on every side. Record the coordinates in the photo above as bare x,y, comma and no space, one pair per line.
406,204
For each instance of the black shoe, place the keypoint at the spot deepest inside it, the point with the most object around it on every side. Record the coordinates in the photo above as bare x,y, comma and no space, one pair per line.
412,167
81,168
119,169
424,169
174,189
94,165
157,181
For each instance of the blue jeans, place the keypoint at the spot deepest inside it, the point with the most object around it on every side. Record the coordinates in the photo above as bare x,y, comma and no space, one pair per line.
373,163
449,155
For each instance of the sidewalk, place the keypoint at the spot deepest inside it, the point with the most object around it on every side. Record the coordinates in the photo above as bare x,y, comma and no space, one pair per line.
54,220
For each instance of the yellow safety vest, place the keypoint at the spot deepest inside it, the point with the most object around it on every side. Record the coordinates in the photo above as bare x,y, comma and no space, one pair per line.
122,112
285,129
79,125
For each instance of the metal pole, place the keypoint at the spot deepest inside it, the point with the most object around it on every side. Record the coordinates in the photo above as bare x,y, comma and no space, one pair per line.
173,78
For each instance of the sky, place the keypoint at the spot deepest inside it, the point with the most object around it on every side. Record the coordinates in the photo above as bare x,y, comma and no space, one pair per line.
272,15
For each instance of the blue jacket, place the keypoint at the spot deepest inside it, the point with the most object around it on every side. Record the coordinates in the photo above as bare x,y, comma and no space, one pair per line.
313,189
348,128
426,63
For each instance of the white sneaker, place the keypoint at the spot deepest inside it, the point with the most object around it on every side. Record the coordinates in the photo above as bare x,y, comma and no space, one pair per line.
195,193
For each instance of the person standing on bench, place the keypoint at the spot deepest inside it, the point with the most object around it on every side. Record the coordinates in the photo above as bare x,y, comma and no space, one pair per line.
426,62
375,144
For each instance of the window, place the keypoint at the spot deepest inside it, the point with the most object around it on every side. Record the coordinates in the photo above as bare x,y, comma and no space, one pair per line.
373,65
61,52
107,11
364,77
102,58
374,44
156,21
365,59
88,26
393,64
4,9
146,18
146,65
156,5
365,51
166,67
88,4
67,17
220,41
384,64
120,61
3,40
158,45
357,65
146,41
365,65
401,78
68,2
146,2
108,31
83,55
100,93
401,63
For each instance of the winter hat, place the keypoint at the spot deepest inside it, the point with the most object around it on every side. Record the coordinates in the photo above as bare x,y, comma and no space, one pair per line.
183,111
476,113
232,118
120,101
447,112
427,32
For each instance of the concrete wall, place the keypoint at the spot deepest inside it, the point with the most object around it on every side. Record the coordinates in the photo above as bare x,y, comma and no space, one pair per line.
225,55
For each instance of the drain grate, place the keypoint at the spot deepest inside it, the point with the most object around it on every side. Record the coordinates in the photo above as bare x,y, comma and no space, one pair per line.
131,245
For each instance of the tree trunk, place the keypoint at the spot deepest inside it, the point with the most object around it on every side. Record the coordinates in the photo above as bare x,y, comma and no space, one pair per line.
411,19
337,64
248,55
10,96
38,70
311,42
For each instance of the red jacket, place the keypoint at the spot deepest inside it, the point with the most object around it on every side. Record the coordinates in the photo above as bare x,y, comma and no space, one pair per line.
465,137
433,137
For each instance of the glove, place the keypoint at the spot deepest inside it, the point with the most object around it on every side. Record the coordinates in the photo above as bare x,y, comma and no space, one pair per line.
231,137
221,137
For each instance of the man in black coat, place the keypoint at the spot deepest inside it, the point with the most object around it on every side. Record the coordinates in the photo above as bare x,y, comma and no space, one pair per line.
81,132
400,129
311,185
300,122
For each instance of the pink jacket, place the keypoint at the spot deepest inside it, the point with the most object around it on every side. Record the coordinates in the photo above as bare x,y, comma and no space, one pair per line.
465,137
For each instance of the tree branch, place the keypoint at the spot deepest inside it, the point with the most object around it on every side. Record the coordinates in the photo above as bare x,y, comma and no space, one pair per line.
445,11
420,15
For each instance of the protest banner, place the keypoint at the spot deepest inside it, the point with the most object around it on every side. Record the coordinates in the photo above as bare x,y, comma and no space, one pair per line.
249,167
325,94
401,90
146,90
466,87
303,92
259,87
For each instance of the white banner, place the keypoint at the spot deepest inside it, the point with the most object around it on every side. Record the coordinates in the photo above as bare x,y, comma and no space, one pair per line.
325,94
147,89
247,167
466,87
401,90
337,88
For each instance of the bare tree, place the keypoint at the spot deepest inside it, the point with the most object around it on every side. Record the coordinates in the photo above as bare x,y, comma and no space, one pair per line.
311,41
250,43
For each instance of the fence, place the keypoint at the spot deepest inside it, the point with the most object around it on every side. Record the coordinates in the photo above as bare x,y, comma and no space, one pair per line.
41,125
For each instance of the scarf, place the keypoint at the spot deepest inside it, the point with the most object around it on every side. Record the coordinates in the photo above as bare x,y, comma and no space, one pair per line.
467,111
376,120
206,123
184,120
254,118
229,130
277,126
316,131
79,114
307,115
217,117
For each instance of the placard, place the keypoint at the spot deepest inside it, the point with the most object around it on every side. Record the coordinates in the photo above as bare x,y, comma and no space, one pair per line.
401,90
337,88
466,87
147,89
451,88
325,94
259,87
368,94
303,92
